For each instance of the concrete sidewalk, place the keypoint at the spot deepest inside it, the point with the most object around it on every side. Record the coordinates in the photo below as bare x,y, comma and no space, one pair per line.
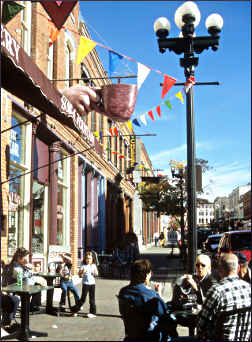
108,325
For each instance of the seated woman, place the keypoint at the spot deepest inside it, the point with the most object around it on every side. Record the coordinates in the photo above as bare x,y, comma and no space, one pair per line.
19,263
9,306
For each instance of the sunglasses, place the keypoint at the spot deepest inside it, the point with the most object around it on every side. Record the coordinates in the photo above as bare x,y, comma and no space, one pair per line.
198,265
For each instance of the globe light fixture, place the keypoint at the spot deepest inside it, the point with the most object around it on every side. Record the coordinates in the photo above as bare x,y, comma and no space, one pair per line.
187,18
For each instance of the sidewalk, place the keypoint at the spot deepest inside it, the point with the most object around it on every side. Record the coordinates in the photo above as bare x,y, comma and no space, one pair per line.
107,326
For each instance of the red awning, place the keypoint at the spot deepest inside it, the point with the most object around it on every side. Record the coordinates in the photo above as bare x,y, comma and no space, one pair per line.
23,78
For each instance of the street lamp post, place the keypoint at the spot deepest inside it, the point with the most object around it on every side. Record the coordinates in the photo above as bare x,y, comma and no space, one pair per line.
187,17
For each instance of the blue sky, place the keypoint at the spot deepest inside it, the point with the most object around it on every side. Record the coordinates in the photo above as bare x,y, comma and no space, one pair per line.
222,113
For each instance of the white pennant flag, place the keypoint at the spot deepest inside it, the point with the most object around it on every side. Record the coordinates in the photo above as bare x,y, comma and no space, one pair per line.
142,73
142,118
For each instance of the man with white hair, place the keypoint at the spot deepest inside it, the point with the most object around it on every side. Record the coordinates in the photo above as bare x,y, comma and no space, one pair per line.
231,295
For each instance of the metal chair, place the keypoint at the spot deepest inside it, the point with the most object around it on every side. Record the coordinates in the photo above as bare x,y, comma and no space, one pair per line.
242,331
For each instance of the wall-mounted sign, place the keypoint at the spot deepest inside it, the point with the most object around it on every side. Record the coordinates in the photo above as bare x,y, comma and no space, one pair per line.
132,150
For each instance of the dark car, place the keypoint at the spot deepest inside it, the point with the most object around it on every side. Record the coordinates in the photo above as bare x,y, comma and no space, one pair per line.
236,241
211,243
202,234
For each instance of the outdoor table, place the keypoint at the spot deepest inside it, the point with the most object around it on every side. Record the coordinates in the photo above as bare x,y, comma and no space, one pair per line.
49,277
24,333
186,318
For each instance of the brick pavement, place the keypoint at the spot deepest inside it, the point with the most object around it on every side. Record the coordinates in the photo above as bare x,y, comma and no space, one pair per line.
107,326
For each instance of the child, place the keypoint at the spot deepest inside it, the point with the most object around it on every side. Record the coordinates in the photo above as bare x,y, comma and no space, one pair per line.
89,271
66,281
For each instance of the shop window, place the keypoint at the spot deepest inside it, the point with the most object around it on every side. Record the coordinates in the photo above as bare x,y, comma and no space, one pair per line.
50,62
38,194
115,150
63,194
15,168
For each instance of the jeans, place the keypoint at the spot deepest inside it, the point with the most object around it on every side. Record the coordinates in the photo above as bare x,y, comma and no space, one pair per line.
68,285
10,305
91,290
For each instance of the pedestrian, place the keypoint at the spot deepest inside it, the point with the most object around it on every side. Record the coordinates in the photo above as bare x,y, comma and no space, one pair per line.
244,271
66,282
227,296
156,237
161,240
89,271
19,265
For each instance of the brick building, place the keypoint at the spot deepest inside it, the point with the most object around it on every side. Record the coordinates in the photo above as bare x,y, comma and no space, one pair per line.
62,188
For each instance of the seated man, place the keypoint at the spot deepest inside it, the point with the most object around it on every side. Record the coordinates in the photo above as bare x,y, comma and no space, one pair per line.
227,296
150,320
190,288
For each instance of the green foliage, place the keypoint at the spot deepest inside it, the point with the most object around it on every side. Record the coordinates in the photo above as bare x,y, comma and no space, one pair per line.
162,198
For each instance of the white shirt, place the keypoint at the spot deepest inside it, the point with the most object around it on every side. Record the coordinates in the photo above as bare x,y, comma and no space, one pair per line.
88,276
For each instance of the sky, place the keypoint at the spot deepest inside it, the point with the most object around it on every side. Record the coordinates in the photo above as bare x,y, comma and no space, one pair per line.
222,113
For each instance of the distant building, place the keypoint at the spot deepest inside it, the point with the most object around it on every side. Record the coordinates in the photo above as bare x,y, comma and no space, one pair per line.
234,201
221,206
205,212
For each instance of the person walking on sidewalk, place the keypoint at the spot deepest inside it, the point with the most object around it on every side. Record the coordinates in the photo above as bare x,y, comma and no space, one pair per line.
66,282
156,238
89,271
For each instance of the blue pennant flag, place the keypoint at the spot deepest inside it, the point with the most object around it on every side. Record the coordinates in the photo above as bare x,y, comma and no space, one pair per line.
135,121
114,59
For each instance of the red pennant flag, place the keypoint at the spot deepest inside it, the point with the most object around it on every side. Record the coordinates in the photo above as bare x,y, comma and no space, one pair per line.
114,152
151,115
158,111
53,33
159,175
58,11
111,132
121,156
168,83
116,131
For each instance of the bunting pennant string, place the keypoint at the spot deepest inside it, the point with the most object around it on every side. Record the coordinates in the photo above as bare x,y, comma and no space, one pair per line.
143,119
142,73
180,96
86,45
168,104
116,131
121,156
111,132
167,84
135,121
96,134
114,59
53,33
129,124
158,111
151,115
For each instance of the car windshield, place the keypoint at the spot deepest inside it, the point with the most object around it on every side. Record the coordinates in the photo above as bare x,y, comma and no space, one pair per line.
240,241
214,240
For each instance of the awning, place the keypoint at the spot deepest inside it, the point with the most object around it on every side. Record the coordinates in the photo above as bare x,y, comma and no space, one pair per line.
23,78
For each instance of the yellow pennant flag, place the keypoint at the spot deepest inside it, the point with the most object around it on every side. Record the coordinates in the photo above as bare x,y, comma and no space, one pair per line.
96,134
129,123
141,166
179,96
85,47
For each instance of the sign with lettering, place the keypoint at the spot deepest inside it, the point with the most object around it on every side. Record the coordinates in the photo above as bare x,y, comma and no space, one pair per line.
55,251
23,78
132,150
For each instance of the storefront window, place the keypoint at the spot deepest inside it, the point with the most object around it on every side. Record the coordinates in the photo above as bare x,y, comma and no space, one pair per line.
38,193
62,199
16,185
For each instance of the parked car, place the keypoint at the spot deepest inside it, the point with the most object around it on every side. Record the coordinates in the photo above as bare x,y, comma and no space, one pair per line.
236,241
203,233
211,243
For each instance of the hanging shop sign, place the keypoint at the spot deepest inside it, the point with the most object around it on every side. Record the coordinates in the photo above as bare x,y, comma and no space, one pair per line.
23,78
132,150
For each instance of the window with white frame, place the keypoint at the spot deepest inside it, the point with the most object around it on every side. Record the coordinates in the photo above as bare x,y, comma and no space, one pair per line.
26,15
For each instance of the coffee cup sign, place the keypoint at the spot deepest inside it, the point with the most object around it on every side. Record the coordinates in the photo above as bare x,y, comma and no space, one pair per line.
118,101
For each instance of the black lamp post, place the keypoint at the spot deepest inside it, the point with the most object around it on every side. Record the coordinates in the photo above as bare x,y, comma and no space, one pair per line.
187,17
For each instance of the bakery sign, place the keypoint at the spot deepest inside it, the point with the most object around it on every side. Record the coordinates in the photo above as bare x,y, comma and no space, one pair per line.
23,78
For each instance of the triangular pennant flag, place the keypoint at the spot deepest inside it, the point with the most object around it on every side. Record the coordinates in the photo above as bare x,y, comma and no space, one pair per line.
111,132
53,33
10,10
114,59
96,134
121,156
158,111
142,73
108,148
159,175
114,152
116,131
85,47
151,115
100,135
141,166
129,124
168,104
167,84
58,11
135,121
143,119
179,96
